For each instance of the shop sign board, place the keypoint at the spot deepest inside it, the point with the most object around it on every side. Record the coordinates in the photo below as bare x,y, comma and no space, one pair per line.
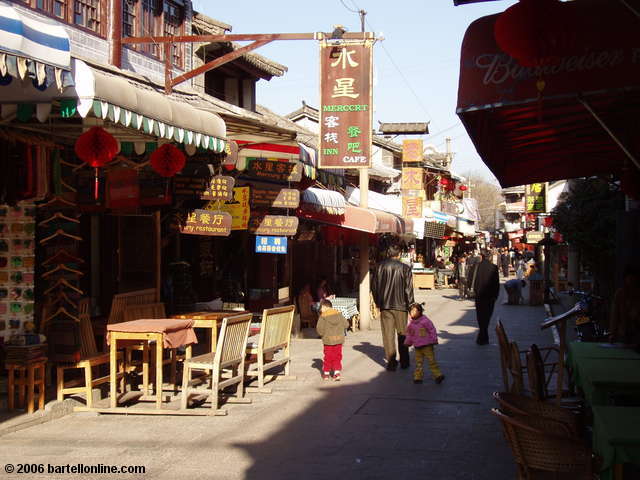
123,189
276,225
238,208
231,151
206,222
411,207
412,178
271,244
274,197
534,236
412,150
345,105
274,169
220,188
536,198
188,186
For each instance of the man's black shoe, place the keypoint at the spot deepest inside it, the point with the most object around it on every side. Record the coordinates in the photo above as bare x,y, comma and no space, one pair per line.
404,366
392,365
439,379
417,382
482,342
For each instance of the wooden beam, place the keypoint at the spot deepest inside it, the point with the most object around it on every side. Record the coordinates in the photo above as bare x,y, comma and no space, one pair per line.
231,37
216,63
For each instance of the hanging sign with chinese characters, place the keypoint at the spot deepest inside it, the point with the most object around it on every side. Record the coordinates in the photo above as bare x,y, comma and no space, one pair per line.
412,150
238,208
411,207
275,170
206,222
345,105
273,225
536,198
274,198
220,188
412,179
271,244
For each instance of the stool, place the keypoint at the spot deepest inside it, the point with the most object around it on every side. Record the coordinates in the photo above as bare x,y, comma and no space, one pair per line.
26,376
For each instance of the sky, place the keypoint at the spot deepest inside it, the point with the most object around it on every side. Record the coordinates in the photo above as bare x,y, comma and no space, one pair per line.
416,66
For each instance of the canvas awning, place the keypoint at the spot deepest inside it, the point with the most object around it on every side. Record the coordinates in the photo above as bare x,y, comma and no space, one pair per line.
122,100
362,219
560,121
32,47
328,201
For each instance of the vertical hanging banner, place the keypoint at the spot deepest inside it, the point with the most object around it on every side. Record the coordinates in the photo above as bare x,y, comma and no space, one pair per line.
345,104
412,151
536,198
412,178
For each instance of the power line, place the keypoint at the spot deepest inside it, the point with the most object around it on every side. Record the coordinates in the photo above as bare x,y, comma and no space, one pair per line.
345,6
393,62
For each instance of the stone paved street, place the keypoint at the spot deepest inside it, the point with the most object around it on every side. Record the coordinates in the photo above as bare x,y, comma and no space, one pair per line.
372,425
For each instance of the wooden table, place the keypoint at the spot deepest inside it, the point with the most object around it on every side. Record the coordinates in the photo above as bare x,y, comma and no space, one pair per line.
165,332
208,320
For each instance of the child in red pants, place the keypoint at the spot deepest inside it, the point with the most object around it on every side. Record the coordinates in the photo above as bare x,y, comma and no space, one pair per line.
331,328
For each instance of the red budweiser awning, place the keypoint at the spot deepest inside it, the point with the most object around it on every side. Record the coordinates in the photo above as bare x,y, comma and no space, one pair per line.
361,219
587,99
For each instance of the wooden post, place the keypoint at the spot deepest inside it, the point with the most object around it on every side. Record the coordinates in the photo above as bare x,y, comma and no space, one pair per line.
159,345
364,293
116,33
113,360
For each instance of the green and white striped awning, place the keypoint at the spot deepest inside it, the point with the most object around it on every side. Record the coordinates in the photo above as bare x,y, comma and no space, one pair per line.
131,104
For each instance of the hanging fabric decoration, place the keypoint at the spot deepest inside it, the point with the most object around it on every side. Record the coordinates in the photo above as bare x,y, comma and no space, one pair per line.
535,32
167,160
97,147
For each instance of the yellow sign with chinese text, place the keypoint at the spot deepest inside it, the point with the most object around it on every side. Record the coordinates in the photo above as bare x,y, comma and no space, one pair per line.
238,208
412,150
412,179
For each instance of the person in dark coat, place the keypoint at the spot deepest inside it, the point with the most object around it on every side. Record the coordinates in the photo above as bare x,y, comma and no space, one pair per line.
505,261
392,289
485,282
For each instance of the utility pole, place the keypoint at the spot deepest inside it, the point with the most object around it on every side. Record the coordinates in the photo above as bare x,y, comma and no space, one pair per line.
365,280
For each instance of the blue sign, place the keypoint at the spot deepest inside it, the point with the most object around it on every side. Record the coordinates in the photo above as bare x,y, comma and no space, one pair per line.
271,244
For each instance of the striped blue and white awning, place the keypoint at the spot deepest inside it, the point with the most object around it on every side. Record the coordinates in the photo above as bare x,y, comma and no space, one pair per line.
32,47
441,217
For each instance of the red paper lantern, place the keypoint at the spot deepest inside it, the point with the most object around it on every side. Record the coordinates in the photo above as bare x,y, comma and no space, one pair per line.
96,146
167,160
444,181
463,187
535,32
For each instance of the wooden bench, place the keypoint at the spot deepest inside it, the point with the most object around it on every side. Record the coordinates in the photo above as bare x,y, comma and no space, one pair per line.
89,358
275,338
228,359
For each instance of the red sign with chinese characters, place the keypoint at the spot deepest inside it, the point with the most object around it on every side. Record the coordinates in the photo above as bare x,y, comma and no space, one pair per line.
345,105
206,222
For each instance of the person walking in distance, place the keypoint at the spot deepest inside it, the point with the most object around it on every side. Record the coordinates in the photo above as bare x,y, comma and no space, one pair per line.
392,288
485,282
505,263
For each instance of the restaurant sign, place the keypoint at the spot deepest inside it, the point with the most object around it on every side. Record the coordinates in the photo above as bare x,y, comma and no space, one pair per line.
274,169
271,244
534,236
412,179
206,222
275,198
345,105
277,225
238,208
412,150
220,188
536,198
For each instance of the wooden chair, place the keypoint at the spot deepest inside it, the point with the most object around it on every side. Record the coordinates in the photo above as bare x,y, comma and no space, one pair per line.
541,446
89,358
519,405
539,381
275,337
308,318
121,301
229,358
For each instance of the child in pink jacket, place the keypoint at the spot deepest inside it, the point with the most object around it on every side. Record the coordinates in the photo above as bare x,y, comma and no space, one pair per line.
421,333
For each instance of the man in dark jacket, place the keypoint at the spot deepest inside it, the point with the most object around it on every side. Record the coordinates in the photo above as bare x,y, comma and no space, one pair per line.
505,261
486,285
392,288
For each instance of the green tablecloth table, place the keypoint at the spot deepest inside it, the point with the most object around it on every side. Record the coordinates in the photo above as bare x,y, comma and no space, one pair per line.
616,437
600,370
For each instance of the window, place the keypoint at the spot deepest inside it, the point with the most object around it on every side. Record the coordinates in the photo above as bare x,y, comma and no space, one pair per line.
154,18
89,14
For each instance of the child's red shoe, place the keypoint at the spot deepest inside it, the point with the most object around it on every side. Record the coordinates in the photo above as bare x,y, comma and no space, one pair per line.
336,377
326,376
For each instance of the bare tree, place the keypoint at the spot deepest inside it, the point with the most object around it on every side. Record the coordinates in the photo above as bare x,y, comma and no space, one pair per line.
488,195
